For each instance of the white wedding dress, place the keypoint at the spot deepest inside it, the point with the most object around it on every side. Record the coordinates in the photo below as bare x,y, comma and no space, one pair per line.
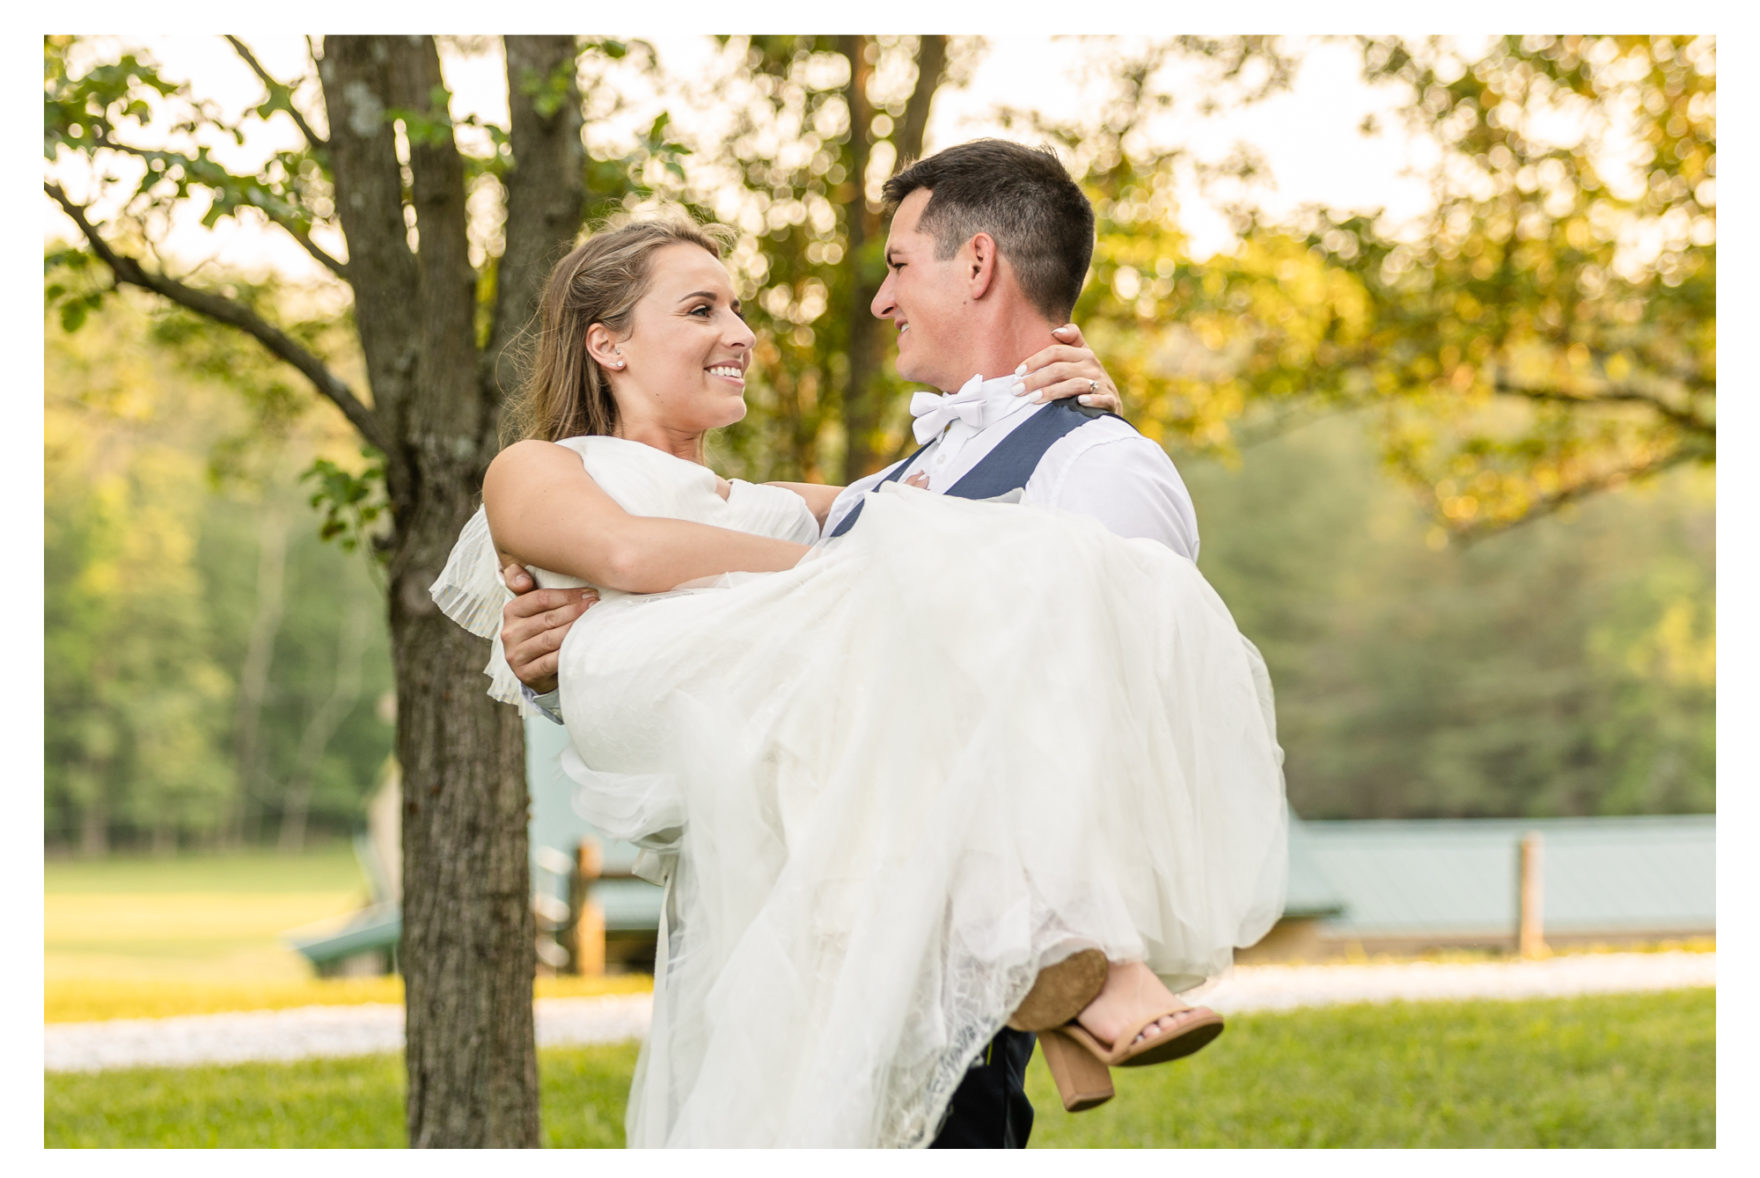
940,753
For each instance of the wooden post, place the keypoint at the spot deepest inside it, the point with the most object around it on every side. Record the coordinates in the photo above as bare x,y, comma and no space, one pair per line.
1530,935
587,931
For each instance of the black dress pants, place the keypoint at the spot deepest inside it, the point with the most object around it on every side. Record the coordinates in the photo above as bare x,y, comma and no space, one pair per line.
989,1109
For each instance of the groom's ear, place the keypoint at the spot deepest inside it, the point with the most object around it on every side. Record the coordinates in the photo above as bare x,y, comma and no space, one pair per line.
979,257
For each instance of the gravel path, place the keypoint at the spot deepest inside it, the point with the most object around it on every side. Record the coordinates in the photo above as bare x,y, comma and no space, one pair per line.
363,1030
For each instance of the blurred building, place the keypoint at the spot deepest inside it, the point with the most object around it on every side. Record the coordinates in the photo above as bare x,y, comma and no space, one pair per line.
1417,886
1372,887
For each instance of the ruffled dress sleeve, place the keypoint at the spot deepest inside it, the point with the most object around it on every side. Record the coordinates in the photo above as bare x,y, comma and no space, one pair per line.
642,480
470,591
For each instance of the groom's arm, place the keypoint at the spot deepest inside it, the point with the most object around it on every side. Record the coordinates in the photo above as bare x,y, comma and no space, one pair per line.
533,626
1130,485
1111,473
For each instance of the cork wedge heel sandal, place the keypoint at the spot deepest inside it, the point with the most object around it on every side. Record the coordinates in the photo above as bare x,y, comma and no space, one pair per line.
1083,1082
1081,1065
1061,991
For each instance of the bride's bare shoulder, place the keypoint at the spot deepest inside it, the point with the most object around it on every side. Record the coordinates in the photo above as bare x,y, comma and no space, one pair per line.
530,466
534,454
532,450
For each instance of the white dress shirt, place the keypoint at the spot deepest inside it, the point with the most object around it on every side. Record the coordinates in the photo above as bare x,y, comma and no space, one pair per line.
1104,469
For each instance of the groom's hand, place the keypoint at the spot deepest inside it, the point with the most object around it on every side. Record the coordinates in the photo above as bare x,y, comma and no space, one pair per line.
534,623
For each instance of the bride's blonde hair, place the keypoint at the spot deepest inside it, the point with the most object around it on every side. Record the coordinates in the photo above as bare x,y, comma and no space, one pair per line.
600,281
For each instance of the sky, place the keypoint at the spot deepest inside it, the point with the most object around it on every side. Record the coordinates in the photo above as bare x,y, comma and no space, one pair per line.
1308,135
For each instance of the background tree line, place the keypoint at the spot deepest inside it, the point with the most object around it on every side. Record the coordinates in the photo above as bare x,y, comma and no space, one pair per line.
214,672
1545,334
200,633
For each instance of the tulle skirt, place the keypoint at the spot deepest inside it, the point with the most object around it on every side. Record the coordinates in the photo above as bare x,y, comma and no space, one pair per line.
939,754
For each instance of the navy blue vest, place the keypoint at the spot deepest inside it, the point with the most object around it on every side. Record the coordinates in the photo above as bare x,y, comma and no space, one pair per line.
1009,466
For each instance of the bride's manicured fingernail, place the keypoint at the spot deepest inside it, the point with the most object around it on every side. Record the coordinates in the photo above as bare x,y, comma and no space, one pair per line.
1019,389
1085,399
1021,371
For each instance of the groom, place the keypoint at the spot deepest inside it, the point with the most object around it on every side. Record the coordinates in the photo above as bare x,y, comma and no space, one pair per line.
988,248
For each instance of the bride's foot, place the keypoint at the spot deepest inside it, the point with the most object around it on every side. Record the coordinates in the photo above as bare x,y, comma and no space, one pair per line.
1134,1021
1134,1012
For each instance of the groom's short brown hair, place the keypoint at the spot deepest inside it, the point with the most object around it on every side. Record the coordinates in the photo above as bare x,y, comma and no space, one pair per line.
1022,197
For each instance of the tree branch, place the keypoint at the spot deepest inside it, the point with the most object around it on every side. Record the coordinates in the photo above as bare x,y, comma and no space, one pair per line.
324,258
1551,504
445,287
1617,394
369,204
233,314
335,265
314,140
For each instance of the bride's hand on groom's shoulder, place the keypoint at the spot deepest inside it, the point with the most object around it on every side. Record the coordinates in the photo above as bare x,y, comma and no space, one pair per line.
534,624
1069,369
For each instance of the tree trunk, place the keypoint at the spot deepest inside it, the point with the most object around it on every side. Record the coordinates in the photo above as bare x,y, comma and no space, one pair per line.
864,400
94,829
862,222
468,930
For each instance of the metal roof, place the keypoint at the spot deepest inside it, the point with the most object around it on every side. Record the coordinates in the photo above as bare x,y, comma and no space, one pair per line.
1311,893
1376,878
1458,876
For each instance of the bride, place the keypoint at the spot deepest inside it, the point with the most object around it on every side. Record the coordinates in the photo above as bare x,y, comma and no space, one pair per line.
968,763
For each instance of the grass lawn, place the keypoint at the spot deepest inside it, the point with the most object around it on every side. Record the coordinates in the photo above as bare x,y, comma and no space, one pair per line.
188,919
329,868
146,937
1611,1071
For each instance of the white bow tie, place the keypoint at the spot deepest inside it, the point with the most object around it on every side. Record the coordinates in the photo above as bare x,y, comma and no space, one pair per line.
934,412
